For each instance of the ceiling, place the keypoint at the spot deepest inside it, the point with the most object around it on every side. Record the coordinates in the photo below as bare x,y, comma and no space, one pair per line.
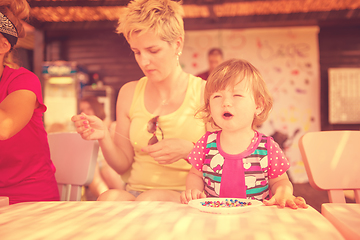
199,14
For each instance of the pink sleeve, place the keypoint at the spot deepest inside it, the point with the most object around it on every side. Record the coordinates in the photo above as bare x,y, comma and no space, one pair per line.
278,163
197,154
29,81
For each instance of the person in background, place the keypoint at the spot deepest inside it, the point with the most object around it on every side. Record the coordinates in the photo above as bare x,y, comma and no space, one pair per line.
105,177
215,57
237,161
155,123
26,170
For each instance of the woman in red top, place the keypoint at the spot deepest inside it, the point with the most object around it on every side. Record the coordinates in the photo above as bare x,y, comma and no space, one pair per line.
26,170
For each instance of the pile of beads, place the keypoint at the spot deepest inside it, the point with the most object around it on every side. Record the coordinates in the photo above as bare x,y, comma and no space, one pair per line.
225,204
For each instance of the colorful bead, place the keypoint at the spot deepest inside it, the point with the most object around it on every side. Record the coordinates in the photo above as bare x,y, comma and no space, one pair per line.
225,204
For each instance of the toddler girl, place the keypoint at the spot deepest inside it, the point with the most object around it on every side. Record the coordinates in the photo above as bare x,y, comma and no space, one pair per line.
237,161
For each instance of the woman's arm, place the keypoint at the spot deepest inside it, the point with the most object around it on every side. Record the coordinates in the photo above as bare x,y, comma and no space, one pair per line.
16,111
121,147
169,150
117,150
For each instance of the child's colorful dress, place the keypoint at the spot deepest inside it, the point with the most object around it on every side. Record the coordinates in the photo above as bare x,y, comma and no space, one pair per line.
244,175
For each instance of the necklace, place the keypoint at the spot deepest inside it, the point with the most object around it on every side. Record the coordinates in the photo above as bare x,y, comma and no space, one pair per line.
173,95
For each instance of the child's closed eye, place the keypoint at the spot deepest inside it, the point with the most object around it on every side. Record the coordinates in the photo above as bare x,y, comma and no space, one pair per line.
216,96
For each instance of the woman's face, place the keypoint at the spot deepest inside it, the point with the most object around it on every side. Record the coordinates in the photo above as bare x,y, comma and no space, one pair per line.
86,108
156,58
5,45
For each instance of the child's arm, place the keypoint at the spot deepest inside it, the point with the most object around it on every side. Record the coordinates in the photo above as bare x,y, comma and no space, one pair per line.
282,189
194,186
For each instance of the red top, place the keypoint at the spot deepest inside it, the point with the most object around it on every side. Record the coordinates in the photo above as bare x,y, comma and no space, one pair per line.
26,170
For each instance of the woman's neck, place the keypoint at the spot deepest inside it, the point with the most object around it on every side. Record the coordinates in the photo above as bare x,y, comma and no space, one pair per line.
174,83
169,88
166,96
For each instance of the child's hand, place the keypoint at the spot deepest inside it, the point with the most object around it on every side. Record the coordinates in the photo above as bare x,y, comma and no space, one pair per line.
286,201
191,194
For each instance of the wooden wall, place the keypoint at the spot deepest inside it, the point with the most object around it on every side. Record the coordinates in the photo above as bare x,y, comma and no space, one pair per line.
103,52
108,54
339,48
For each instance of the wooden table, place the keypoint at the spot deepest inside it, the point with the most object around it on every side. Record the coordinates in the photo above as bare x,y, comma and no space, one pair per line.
157,220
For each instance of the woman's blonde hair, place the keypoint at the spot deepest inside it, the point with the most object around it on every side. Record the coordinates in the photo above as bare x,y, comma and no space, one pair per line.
164,17
15,11
230,73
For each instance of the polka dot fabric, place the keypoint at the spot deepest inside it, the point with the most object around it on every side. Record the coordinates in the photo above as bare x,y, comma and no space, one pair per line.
278,163
197,155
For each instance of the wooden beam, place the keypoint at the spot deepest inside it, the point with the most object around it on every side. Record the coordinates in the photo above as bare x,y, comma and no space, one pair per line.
97,3
79,3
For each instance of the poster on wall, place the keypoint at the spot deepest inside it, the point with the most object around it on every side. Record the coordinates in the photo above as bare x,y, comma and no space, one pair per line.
288,59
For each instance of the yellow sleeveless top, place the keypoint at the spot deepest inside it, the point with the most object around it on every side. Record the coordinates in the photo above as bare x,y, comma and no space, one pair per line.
146,173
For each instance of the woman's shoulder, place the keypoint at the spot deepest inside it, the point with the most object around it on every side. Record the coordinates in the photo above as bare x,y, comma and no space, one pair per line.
197,85
18,71
14,73
21,78
129,86
127,93
197,80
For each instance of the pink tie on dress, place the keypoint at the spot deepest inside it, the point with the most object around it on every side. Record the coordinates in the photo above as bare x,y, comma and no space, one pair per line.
233,179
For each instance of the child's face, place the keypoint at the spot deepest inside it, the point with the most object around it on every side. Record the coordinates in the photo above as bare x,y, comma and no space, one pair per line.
233,109
86,108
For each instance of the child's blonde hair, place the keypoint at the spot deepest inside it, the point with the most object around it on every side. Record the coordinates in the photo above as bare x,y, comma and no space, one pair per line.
230,73
164,17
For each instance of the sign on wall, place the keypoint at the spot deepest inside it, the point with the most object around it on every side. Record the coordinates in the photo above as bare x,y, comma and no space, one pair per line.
288,59
344,95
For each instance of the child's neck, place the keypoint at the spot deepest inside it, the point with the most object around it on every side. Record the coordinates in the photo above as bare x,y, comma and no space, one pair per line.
236,142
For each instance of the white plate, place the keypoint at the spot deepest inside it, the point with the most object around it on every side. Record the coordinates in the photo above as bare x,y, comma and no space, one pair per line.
198,203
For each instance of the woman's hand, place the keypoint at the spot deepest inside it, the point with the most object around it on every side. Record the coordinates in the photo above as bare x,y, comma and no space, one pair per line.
191,194
286,200
89,127
169,150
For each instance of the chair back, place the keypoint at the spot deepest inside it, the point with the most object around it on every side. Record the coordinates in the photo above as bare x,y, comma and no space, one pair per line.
75,161
4,201
332,162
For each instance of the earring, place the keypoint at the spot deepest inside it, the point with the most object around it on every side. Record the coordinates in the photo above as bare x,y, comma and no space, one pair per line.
177,57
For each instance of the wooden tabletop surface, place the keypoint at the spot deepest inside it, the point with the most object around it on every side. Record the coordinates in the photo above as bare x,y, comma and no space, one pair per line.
157,220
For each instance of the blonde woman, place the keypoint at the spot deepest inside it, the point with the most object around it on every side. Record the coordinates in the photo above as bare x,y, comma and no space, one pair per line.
26,170
155,123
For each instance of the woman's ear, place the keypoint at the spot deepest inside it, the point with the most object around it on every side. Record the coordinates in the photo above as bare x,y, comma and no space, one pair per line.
5,46
179,43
